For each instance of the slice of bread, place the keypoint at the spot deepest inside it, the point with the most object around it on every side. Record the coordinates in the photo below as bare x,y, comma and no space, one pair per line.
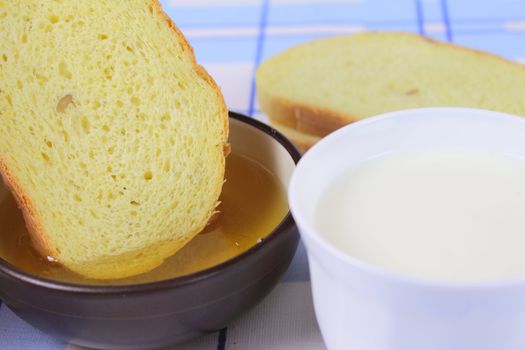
319,86
111,135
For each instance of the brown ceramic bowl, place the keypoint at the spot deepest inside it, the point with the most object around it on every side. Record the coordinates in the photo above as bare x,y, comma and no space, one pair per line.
156,314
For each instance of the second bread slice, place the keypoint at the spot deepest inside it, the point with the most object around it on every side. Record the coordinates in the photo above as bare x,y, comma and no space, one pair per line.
319,86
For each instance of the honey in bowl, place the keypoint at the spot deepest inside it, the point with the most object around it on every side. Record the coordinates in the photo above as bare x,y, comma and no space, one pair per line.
253,203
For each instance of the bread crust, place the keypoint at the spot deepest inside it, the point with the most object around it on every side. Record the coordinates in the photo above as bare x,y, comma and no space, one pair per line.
309,119
39,236
301,144
37,232
198,68
301,140
203,74
320,120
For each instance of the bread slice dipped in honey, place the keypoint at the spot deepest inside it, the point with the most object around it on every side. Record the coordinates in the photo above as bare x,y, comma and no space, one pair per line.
111,135
316,87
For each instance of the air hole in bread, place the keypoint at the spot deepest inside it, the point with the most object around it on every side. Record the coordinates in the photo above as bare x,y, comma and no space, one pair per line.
108,73
45,156
85,125
66,135
148,175
63,71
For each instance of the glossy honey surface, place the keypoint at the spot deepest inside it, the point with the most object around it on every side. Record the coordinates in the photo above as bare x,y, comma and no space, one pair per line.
253,203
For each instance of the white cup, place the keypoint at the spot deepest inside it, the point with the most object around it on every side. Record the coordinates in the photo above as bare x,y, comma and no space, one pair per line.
362,307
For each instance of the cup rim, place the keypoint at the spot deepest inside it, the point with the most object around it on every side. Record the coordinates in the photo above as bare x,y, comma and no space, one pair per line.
19,275
307,230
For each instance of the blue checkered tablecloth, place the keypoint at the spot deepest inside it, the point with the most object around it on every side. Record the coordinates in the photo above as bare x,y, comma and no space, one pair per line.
230,38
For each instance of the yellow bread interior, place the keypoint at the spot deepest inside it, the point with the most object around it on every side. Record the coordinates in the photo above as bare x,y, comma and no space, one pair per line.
111,136
321,85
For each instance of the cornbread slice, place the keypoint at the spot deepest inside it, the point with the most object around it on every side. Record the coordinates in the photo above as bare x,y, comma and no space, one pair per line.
319,86
111,135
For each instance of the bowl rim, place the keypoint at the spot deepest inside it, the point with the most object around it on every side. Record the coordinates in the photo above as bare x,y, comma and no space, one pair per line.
13,272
